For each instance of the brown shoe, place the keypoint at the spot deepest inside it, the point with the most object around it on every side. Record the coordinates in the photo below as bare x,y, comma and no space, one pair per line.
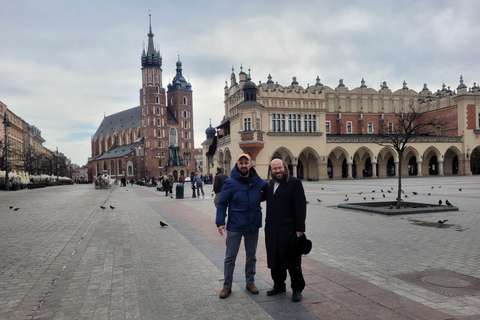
252,288
225,293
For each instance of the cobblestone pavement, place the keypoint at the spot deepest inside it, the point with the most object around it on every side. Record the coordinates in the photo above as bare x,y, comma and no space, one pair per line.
64,257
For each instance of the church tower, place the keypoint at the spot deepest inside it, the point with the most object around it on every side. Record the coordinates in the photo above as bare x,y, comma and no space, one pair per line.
153,110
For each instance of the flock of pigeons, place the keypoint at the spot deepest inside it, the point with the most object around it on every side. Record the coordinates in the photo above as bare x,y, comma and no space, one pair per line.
440,202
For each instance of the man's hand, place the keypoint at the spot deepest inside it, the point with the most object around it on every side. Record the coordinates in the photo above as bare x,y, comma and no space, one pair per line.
299,234
222,230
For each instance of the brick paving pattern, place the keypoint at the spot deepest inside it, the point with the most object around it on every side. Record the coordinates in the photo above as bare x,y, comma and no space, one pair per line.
63,257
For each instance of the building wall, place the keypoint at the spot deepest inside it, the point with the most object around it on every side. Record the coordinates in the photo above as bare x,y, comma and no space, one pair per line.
313,155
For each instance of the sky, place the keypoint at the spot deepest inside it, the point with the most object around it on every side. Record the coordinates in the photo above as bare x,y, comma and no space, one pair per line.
65,64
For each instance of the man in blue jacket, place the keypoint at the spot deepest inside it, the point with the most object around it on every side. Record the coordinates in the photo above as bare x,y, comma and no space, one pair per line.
242,194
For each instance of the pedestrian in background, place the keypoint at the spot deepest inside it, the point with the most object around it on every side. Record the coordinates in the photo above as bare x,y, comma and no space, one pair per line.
241,194
165,185
199,183
220,178
284,228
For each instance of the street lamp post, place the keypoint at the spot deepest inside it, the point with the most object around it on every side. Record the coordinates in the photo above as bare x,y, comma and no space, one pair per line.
6,124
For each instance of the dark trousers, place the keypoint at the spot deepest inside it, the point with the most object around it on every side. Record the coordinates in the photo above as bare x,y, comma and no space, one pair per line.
296,277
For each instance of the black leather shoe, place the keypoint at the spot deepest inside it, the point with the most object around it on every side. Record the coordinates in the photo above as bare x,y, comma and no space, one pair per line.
275,291
297,296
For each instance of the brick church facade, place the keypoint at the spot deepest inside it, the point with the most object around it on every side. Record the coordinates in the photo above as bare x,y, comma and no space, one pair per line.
154,138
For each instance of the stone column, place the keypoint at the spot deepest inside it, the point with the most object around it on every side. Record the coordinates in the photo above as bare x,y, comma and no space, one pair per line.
374,170
419,168
322,168
396,169
294,171
349,170
440,168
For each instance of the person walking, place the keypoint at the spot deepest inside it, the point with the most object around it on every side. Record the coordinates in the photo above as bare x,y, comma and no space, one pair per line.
170,182
242,194
199,183
284,227
220,178
165,185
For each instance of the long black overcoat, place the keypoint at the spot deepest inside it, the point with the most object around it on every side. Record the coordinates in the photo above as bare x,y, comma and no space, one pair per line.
286,213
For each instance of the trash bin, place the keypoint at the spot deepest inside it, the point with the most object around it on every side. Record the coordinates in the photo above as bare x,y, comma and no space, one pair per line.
179,191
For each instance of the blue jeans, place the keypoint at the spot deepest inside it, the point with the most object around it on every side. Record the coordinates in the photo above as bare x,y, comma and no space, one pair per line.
233,244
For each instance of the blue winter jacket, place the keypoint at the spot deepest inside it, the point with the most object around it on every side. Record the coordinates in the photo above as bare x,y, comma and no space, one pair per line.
243,202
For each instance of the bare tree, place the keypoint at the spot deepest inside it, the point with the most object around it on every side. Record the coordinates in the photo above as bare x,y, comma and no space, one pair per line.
405,127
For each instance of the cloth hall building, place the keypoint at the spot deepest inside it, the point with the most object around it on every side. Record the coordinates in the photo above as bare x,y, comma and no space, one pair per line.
154,138
323,132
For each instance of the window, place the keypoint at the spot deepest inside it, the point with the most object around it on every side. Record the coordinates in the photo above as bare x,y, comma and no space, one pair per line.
173,136
327,126
157,99
258,123
390,127
294,121
247,124
185,100
349,126
310,123
370,127
278,122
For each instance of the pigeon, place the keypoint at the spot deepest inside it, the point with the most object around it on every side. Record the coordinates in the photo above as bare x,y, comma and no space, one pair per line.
460,189
102,207
163,224
448,203
16,209
406,196
112,207
391,206
373,198
346,199
439,187
364,198
11,207
391,188
442,221
373,190
319,200
382,190
384,195
346,195
429,193
415,193
360,192
323,189
171,197
440,202
431,187
389,191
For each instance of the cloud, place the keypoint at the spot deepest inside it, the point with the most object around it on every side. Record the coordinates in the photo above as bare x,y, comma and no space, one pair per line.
67,64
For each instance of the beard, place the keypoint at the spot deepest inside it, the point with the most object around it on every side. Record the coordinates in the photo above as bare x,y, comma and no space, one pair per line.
280,179
244,172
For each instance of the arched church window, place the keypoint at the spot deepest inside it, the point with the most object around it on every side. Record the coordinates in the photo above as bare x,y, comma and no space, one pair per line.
172,136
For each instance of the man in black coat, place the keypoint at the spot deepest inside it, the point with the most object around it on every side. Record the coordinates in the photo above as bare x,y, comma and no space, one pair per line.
220,178
284,224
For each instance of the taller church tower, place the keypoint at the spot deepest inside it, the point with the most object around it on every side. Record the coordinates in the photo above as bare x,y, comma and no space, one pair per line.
166,126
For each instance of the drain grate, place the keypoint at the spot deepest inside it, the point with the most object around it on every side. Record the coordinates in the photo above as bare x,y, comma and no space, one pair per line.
445,282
